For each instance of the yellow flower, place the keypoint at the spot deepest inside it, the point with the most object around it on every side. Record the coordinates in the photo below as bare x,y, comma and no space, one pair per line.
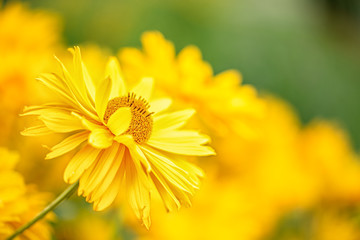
332,225
326,151
222,103
78,228
128,143
222,210
27,41
19,203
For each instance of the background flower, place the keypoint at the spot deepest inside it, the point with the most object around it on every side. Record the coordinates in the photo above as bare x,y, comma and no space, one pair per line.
19,202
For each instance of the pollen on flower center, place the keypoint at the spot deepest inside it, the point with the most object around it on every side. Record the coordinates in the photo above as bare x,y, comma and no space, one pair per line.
141,120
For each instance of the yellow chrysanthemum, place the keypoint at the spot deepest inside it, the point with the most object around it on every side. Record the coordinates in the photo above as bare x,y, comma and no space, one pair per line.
128,143
19,203
226,106
27,42
78,228
325,150
331,225
222,210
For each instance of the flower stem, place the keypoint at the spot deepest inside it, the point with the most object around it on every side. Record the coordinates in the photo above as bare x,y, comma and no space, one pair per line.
63,196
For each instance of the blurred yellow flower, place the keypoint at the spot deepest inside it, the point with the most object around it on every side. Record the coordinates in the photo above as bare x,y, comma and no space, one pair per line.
326,151
27,41
332,225
19,203
222,210
222,103
87,227
270,164
129,143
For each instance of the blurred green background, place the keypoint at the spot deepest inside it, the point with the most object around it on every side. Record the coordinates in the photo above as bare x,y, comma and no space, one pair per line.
305,51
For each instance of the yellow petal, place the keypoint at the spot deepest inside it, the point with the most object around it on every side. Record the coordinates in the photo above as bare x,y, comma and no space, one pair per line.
111,192
119,121
113,70
180,136
185,148
86,175
61,122
77,92
67,145
144,88
81,161
101,138
173,174
159,105
102,97
82,76
56,84
170,200
89,83
135,151
105,163
109,176
138,191
172,121
45,109
39,130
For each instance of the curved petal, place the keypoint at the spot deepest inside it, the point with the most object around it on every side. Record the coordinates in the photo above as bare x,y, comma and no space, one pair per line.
57,85
144,88
138,190
38,130
119,121
102,97
134,150
81,77
108,161
182,142
172,121
61,122
113,70
101,138
159,105
67,145
89,83
80,162
111,192
77,92
180,136
118,162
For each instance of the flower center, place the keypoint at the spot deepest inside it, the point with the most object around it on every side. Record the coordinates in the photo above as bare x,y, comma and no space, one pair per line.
141,121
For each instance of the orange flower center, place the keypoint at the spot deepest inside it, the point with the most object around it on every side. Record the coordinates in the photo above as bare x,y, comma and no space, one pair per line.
141,120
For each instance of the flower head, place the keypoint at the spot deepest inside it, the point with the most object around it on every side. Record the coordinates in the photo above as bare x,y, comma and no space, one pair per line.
225,105
27,40
19,202
127,143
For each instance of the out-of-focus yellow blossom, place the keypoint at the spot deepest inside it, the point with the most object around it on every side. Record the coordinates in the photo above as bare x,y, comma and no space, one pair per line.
222,103
87,226
221,210
19,203
271,163
331,225
27,42
127,143
326,152
285,168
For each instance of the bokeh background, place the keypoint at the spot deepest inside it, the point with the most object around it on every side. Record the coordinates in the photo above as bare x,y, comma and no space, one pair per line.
305,51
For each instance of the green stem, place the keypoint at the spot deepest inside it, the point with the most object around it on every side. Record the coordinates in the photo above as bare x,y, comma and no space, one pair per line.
63,196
